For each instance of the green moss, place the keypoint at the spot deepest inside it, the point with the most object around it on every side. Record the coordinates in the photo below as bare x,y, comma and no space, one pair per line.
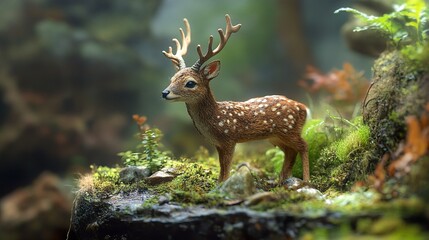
390,228
354,140
150,202
105,179
195,177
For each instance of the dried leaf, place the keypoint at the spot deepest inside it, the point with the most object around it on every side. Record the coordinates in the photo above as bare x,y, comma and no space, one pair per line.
379,177
416,144
342,85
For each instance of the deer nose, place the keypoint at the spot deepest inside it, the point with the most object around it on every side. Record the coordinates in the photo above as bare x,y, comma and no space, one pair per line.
165,93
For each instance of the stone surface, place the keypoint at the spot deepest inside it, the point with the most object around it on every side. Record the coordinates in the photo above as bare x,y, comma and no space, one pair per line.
240,185
124,217
260,197
311,192
133,174
159,177
170,170
293,183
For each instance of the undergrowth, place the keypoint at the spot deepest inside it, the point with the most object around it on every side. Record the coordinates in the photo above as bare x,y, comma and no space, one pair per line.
334,145
335,152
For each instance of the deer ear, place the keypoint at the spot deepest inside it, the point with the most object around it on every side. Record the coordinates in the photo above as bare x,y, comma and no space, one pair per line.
211,70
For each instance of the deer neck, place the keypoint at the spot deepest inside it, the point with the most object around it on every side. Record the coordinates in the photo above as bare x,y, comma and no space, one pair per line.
203,110
203,114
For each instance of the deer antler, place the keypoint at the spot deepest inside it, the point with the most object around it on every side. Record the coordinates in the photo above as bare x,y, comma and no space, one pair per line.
177,58
223,40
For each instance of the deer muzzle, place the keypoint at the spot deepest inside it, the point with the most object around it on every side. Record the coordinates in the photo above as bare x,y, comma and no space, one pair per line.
165,93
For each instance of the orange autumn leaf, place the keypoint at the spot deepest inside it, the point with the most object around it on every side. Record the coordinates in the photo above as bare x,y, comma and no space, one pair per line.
379,177
140,120
416,144
343,85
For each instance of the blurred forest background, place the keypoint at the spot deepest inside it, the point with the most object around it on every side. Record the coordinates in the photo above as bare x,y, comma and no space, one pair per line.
73,72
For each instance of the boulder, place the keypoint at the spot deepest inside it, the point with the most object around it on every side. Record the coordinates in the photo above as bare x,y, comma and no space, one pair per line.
240,185
132,174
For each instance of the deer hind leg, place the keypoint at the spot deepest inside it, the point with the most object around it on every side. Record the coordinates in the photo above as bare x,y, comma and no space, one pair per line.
225,160
290,150
289,161
302,148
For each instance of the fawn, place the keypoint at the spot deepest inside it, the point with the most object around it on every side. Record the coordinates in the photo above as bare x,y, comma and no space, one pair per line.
224,124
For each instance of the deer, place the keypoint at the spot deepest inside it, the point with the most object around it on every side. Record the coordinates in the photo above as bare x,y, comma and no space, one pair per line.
224,124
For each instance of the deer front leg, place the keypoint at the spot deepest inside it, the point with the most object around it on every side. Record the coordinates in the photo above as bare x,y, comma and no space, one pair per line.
225,159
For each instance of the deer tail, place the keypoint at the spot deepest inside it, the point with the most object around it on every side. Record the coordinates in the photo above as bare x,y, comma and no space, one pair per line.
308,114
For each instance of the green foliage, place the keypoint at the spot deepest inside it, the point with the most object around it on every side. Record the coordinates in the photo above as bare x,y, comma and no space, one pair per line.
417,56
276,157
334,144
406,25
148,152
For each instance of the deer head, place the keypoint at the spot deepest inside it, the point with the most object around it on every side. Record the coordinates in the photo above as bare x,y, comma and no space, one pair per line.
191,84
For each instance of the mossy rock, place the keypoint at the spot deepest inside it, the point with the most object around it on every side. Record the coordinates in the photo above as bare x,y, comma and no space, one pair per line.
396,92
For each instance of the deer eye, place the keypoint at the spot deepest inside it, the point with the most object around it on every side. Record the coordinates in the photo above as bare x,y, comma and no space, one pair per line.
190,84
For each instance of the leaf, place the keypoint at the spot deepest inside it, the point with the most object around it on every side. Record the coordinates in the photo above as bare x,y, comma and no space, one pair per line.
346,85
406,22
416,144
140,120
378,179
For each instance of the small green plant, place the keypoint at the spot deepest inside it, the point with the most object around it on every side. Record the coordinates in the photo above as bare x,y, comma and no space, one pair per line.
406,25
148,151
